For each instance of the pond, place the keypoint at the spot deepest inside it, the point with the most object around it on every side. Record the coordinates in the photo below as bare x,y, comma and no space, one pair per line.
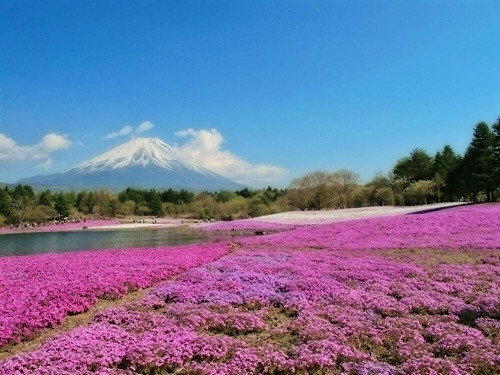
55,242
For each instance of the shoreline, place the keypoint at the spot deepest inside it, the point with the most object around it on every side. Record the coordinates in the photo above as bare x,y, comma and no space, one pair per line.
274,222
101,225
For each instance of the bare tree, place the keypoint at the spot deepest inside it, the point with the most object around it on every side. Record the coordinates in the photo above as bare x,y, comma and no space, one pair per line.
380,190
343,183
310,191
23,201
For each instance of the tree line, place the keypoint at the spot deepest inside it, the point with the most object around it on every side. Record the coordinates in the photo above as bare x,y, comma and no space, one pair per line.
22,205
473,176
418,178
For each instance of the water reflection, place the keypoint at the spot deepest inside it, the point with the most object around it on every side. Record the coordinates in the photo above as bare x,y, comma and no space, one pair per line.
55,242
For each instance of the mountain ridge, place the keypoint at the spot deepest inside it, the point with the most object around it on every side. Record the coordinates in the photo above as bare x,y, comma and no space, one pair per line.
140,162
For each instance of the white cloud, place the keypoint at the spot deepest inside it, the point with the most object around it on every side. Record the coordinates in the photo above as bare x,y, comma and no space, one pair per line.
40,152
129,130
53,142
204,148
144,126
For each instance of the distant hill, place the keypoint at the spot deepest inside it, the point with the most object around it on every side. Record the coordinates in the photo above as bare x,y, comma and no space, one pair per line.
141,162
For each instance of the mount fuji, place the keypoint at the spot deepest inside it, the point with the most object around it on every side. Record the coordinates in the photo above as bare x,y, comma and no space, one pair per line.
141,163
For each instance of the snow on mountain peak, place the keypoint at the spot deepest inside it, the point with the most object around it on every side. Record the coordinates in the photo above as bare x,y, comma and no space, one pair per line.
140,162
136,152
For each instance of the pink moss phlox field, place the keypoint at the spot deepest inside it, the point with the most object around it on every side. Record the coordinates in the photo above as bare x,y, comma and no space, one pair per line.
297,312
333,299
292,219
243,225
38,291
462,227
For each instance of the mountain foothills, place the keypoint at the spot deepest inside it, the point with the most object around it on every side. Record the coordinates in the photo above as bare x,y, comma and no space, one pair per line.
140,162
418,178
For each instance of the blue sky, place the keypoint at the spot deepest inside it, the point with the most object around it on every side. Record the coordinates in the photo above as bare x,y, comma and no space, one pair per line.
260,91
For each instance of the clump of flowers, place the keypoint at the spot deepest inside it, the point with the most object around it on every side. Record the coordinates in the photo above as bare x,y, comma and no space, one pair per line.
39,291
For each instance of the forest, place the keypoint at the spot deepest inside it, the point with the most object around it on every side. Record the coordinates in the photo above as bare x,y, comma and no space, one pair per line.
418,178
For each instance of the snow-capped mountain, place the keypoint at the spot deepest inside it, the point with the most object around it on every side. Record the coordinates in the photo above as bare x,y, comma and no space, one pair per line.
136,152
140,162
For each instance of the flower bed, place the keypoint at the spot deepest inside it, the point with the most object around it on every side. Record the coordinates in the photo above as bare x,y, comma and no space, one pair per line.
38,291
462,227
292,219
245,225
294,312
333,299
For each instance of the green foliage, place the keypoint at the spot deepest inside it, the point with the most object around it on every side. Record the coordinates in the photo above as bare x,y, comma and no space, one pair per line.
185,196
61,205
114,206
496,151
377,192
225,205
154,203
419,192
445,161
5,203
225,196
245,193
176,197
418,166
270,195
475,176
127,208
45,198
479,162
84,202
132,194
384,196
444,168
257,208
